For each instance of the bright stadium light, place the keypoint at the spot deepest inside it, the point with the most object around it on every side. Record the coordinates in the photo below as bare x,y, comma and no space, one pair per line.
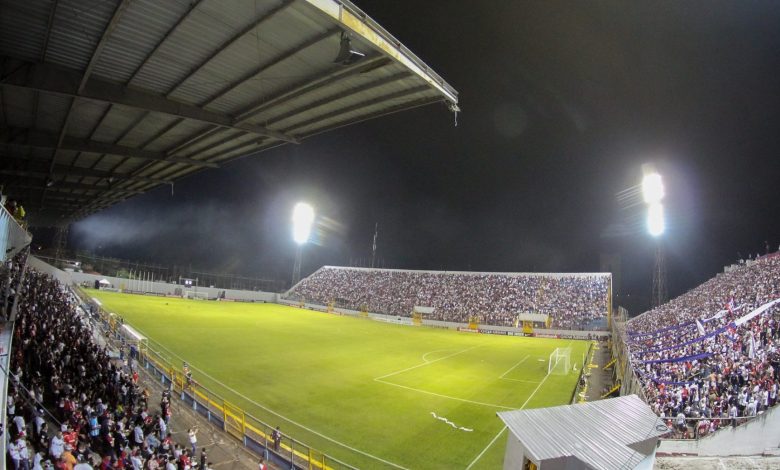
652,188
302,218
655,219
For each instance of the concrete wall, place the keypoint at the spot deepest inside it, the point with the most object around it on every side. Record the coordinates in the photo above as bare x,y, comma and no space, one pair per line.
154,287
578,334
752,438
514,456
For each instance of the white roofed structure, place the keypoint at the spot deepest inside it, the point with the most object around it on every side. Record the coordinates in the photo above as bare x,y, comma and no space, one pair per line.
616,433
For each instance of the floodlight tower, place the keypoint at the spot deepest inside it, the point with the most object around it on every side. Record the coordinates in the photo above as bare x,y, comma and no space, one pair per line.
653,193
302,219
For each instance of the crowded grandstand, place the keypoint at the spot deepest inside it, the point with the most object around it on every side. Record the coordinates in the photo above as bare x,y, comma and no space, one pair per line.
710,357
572,301
71,403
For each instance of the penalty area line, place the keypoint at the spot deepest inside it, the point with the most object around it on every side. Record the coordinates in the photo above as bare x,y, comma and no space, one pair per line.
425,356
513,367
476,459
425,363
443,396
520,380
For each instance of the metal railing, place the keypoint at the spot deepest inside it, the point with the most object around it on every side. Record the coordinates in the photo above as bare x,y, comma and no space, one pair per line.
696,428
255,434
12,236
579,395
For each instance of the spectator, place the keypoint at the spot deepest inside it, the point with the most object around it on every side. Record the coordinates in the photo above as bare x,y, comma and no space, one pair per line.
698,363
58,365
192,435
276,436
573,301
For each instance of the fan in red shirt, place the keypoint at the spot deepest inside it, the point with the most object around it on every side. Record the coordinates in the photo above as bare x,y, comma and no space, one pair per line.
185,459
71,438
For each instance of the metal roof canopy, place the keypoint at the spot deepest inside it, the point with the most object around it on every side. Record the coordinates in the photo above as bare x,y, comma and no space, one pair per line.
605,434
102,100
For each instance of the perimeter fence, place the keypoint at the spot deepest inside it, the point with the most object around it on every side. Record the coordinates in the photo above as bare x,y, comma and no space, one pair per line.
253,433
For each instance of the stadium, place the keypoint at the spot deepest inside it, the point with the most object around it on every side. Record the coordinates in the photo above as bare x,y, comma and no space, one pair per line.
384,349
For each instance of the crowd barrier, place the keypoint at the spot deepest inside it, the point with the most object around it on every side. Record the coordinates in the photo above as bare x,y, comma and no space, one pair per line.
12,236
696,428
581,390
13,239
253,433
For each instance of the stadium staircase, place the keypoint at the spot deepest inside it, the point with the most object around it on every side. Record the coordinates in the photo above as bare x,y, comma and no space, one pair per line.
611,391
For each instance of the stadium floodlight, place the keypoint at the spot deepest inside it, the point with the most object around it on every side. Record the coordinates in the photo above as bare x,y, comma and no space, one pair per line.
655,219
652,188
303,218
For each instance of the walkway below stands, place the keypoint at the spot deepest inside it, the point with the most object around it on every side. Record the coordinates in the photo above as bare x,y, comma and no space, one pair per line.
225,452
600,380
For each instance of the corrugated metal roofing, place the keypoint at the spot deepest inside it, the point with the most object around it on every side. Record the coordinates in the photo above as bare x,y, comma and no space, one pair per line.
597,433
141,92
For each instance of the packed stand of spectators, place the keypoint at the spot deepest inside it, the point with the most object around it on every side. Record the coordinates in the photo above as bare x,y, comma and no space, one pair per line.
572,301
10,271
699,368
101,417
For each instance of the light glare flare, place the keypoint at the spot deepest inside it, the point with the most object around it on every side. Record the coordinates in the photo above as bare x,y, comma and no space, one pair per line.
302,218
652,188
655,219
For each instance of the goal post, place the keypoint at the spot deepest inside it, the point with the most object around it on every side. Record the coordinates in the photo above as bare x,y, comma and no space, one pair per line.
560,362
197,295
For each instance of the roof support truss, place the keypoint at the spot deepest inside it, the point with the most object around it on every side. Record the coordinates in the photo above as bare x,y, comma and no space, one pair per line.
50,78
43,140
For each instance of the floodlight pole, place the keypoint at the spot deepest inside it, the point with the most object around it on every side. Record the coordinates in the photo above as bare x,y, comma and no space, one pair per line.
373,247
659,276
297,265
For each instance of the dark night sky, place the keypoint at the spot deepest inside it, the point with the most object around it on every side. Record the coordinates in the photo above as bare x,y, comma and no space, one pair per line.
562,103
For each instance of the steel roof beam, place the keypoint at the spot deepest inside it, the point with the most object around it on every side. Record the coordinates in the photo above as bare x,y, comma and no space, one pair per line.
120,9
163,39
93,60
43,140
276,60
362,104
50,78
66,170
344,94
38,183
309,84
235,38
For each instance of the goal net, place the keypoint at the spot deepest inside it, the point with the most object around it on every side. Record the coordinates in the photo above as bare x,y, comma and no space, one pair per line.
189,294
560,362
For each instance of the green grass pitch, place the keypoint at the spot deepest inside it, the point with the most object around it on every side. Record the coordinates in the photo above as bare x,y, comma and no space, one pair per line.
359,390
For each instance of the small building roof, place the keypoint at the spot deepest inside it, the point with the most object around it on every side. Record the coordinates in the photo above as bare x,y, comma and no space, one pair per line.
538,317
600,433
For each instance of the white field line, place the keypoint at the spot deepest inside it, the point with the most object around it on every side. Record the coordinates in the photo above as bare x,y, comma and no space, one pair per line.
486,448
425,363
279,415
513,367
424,356
443,396
521,380
476,459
